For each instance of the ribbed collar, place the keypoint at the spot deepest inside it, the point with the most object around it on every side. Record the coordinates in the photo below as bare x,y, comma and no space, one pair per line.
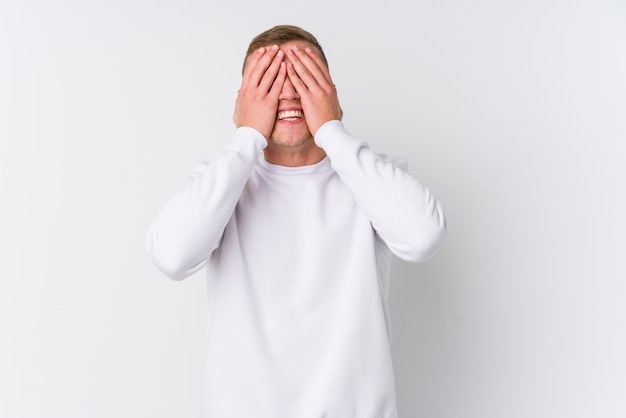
323,165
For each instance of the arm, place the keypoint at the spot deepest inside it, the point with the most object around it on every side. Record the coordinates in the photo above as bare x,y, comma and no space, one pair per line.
402,211
190,225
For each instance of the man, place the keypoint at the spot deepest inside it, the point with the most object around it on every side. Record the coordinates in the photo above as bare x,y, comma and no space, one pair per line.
295,222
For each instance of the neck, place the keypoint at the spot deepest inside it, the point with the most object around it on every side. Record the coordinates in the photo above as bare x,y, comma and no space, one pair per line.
306,154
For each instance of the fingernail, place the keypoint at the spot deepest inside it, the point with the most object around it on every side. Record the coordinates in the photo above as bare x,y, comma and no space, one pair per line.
261,50
307,49
296,47
274,47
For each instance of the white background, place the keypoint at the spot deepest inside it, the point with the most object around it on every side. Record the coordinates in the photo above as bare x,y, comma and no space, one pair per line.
513,113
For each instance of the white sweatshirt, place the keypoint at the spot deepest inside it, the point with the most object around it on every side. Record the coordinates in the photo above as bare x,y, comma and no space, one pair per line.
297,262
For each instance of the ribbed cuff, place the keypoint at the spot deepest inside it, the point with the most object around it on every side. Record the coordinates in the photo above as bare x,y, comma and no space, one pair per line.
332,136
247,142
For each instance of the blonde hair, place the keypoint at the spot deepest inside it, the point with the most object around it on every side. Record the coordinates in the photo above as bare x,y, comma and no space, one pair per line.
282,34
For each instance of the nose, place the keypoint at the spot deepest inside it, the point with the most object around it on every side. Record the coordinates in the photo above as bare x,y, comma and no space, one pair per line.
288,92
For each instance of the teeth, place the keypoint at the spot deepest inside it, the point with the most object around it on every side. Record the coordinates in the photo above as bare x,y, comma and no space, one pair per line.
289,114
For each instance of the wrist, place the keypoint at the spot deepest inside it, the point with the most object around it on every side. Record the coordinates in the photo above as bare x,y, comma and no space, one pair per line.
332,136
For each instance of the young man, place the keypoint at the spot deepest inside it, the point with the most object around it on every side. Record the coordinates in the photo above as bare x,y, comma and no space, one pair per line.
296,222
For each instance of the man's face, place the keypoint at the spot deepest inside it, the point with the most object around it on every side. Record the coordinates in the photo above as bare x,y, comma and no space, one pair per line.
290,128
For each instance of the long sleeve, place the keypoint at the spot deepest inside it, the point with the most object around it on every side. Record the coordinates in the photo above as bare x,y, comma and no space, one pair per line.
190,225
403,212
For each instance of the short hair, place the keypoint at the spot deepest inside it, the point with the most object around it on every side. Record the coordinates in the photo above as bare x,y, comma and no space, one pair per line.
282,34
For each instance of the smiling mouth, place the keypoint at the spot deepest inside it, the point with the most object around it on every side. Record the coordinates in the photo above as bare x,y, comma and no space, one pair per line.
289,115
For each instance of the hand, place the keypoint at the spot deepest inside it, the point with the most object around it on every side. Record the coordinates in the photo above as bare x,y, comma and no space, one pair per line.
311,79
257,100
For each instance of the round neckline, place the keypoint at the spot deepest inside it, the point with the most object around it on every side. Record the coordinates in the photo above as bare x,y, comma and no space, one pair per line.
320,166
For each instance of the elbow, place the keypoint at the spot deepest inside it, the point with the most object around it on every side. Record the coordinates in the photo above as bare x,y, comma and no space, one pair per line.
423,247
170,268
426,246
168,264
423,242
174,264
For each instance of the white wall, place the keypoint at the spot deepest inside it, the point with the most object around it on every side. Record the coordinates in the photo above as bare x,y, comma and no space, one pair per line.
512,112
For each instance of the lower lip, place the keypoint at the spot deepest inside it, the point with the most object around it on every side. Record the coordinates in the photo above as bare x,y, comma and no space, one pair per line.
290,122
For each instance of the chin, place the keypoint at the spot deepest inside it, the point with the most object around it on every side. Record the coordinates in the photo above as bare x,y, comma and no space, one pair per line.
290,142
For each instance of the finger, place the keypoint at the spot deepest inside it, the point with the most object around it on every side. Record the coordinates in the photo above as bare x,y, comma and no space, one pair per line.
264,58
296,81
277,86
298,72
320,63
272,71
307,69
251,63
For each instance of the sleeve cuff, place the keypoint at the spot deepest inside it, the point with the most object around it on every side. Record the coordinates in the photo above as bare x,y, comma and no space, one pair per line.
332,136
247,142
